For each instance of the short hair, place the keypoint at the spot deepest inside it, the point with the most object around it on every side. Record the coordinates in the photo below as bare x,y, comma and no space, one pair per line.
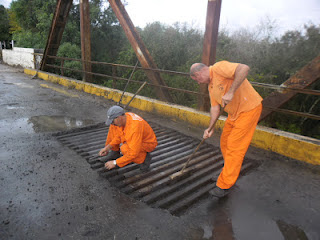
114,112
196,67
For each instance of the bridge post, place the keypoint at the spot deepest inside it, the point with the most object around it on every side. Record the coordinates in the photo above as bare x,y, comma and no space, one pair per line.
85,39
58,24
209,47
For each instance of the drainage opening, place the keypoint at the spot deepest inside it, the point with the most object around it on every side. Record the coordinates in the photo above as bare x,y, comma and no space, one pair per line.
155,186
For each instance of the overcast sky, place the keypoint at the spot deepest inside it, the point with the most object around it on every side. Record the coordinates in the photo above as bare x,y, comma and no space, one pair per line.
288,14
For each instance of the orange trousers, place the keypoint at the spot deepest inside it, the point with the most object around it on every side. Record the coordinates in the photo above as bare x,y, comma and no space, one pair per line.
125,149
234,143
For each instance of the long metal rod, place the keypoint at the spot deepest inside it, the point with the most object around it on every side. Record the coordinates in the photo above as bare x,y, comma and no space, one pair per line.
58,24
124,79
299,114
262,85
136,94
302,79
140,49
125,88
119,65
256,84
294,113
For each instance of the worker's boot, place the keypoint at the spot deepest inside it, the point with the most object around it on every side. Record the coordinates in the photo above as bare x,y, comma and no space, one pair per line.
144,167
218,192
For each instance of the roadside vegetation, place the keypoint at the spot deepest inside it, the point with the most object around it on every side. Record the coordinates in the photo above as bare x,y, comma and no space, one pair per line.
273,58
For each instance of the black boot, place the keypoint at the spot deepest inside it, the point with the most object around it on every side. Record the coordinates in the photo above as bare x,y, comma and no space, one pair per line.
218,192
144,167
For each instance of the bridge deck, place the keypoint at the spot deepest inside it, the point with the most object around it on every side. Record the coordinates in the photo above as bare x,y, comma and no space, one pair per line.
49,190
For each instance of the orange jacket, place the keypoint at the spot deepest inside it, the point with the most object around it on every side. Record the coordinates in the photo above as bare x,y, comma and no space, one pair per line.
221,78
137,138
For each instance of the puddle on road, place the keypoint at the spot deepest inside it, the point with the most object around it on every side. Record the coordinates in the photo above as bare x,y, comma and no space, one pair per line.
23,85
290,231
43,124
56,123
13,106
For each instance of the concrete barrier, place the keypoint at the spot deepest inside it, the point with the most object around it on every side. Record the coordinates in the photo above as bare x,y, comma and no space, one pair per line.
288,144
23,57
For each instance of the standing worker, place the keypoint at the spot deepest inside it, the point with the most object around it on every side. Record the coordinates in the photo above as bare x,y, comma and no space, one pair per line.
228,86
133,134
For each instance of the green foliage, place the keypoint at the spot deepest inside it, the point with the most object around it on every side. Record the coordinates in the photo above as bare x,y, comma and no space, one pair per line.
276,59
182,98
14,26
4,26
71,51
108,38
171,46
271,59
71,32
30,22
28,38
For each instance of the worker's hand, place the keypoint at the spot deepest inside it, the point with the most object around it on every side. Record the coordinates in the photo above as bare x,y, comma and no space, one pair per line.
208,134
104,151
226,99
109,165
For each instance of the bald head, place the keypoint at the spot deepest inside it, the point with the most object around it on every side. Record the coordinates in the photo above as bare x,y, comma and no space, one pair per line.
200,73
196,67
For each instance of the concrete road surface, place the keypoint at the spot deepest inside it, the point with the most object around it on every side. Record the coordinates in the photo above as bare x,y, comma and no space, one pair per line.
47,191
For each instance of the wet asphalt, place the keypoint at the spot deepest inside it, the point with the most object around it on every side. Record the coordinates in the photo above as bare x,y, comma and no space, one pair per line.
47,191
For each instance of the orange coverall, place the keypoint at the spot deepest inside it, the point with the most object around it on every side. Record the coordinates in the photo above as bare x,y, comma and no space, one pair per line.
137,138
243,114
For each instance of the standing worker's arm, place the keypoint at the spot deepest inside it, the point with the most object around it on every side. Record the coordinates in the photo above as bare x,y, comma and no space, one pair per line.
240,75
214,114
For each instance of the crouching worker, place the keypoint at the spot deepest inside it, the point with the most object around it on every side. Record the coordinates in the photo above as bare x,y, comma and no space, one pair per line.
132,136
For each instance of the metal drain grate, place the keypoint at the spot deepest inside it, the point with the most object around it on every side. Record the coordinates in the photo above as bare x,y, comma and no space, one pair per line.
155,187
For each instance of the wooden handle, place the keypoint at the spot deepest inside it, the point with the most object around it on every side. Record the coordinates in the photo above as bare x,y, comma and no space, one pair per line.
202,141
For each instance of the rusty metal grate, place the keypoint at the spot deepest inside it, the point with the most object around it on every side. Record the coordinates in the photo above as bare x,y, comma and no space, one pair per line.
155,187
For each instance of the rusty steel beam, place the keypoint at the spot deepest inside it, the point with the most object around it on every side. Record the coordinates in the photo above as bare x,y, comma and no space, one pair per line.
141,51
85,39
302,79
209,47
58,24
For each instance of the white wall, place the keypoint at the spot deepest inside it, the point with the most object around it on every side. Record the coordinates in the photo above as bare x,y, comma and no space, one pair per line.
20,57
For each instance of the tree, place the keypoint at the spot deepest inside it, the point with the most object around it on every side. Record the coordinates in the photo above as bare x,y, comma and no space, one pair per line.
30,21
271,59
4,27
71,51
171,46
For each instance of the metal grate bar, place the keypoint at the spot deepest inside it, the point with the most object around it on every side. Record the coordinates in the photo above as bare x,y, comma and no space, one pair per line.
155,186
198,194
